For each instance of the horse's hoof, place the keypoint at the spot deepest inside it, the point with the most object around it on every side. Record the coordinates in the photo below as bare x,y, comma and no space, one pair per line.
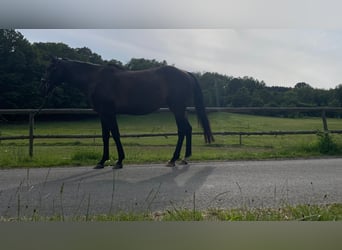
170,164
99,166
118,166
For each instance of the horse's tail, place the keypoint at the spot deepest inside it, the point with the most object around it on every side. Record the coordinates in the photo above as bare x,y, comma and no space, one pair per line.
200,110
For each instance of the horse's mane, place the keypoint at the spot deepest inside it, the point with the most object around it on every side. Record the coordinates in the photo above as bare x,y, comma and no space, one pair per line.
79,62
111,64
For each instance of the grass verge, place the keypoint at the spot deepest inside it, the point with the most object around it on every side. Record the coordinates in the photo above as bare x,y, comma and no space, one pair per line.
332,212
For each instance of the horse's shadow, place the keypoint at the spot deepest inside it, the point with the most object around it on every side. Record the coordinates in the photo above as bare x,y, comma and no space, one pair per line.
172,185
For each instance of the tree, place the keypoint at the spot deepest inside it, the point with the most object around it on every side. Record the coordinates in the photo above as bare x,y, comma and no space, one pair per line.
65,96
47,50
23,64
242,98
86,55
302,85
338,94
19,74
305,94
115,62
141,63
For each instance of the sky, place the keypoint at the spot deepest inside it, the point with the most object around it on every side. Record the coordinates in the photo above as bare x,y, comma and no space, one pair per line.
277,56
276,41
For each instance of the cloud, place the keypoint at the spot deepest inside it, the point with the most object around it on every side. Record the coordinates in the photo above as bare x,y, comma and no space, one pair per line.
171,14
276,56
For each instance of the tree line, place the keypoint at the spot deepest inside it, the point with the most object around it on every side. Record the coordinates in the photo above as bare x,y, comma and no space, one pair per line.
22,65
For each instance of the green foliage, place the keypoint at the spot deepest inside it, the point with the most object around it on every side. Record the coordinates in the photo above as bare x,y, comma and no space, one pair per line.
225,91
183,215
326,144
22,65
82,156
330,212
19,80
141,63
338,93
287,213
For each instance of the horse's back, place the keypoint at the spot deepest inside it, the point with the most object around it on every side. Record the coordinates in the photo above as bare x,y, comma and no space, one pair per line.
144,91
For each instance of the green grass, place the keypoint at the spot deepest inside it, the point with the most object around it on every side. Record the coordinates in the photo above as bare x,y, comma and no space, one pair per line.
76,152
332,212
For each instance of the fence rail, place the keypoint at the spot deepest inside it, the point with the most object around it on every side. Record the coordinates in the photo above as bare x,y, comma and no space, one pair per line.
34,112
191,109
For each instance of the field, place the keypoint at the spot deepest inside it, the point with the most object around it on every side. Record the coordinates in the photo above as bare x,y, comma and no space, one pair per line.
75,152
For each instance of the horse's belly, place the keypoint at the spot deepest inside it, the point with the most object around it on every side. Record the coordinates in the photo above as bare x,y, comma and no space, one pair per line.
140,102
136,110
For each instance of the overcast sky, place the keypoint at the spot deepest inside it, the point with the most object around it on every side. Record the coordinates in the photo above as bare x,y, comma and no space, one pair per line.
276,41
279,57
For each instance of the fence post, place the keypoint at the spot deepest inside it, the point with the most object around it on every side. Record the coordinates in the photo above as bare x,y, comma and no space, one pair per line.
324,118
31,135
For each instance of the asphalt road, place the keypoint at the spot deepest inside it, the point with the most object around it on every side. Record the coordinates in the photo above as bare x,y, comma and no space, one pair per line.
73,191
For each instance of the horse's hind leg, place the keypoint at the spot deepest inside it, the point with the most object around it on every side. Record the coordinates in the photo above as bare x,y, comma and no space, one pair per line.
176,154
184,130
188,146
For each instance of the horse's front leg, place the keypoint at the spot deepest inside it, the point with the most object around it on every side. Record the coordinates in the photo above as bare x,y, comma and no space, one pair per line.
105,139
116,136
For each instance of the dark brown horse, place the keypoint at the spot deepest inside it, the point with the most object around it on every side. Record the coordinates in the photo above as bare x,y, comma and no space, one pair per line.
113,90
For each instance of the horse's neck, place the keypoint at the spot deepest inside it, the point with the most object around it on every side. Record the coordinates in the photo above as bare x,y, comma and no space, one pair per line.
82,77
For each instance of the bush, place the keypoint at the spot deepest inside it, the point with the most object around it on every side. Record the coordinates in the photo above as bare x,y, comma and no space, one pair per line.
326,144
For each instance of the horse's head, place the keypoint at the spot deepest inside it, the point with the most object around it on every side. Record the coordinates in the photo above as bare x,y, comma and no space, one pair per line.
54,75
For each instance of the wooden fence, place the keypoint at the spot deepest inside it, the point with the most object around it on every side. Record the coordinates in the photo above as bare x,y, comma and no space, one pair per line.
34,112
